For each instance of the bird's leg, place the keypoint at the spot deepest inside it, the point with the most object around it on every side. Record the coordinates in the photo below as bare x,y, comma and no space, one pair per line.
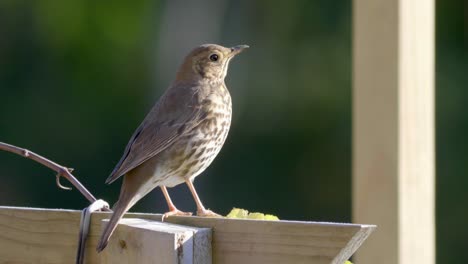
201,211
172,209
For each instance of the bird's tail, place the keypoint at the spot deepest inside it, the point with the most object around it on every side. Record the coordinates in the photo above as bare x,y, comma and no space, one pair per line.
120,208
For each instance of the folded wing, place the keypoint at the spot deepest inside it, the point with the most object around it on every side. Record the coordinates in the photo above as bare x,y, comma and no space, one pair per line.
177,112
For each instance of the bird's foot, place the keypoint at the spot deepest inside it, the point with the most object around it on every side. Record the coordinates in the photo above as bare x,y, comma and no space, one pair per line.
175,212
207,213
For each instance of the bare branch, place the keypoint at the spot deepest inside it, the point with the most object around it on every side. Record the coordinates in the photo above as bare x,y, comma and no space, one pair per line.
61,170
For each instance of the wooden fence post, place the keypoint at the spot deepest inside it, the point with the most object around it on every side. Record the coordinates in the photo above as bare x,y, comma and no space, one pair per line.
145,241
393,129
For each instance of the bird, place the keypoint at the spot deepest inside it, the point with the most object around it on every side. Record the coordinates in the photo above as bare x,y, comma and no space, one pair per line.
180,136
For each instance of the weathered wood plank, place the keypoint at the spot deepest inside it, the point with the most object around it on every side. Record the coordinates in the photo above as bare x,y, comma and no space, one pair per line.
393,129
145,241
30,235
254,241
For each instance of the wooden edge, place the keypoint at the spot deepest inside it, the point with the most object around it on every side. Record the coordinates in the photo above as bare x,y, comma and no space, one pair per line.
156,217
311,242
185,219
142,241
355,243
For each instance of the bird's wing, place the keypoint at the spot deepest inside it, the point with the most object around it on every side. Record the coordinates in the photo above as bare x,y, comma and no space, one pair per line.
176,113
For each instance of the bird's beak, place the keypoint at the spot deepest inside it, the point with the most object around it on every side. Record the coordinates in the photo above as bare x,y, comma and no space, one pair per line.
238,49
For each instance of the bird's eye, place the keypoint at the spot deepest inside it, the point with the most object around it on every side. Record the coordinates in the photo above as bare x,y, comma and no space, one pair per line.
214,57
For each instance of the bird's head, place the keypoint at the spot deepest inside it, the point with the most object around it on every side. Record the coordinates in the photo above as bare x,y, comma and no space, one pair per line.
208,61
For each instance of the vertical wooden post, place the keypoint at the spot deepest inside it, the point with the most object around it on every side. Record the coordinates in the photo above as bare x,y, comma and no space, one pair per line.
393,129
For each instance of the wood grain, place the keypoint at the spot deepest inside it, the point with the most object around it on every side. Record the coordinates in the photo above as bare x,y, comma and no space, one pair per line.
254,241
146,241
29,235
393,129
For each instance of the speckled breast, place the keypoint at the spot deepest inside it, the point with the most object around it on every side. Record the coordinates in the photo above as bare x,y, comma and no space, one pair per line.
201,145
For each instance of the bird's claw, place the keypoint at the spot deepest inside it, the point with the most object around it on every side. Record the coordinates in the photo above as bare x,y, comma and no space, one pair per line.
207,213
175,212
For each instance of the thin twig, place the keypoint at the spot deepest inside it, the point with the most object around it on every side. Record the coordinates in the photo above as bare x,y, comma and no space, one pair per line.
61,170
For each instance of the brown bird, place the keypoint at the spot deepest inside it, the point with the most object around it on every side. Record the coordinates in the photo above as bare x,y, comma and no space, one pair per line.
181,135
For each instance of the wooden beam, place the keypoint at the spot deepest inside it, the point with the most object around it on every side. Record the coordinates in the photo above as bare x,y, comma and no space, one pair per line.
32,235
146,241
254,241
393,129
50,236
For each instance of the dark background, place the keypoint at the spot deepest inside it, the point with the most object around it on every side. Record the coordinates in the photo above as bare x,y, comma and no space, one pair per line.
77,77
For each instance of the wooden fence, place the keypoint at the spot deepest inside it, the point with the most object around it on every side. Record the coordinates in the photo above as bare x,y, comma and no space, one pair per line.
31,235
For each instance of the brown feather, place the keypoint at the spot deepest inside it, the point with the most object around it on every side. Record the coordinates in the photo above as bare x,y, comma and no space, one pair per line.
155,134
181,135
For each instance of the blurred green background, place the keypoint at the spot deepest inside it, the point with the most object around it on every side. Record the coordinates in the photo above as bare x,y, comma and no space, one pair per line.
77,77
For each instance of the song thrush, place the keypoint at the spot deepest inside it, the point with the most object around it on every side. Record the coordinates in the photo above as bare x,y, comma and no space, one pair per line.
181,135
